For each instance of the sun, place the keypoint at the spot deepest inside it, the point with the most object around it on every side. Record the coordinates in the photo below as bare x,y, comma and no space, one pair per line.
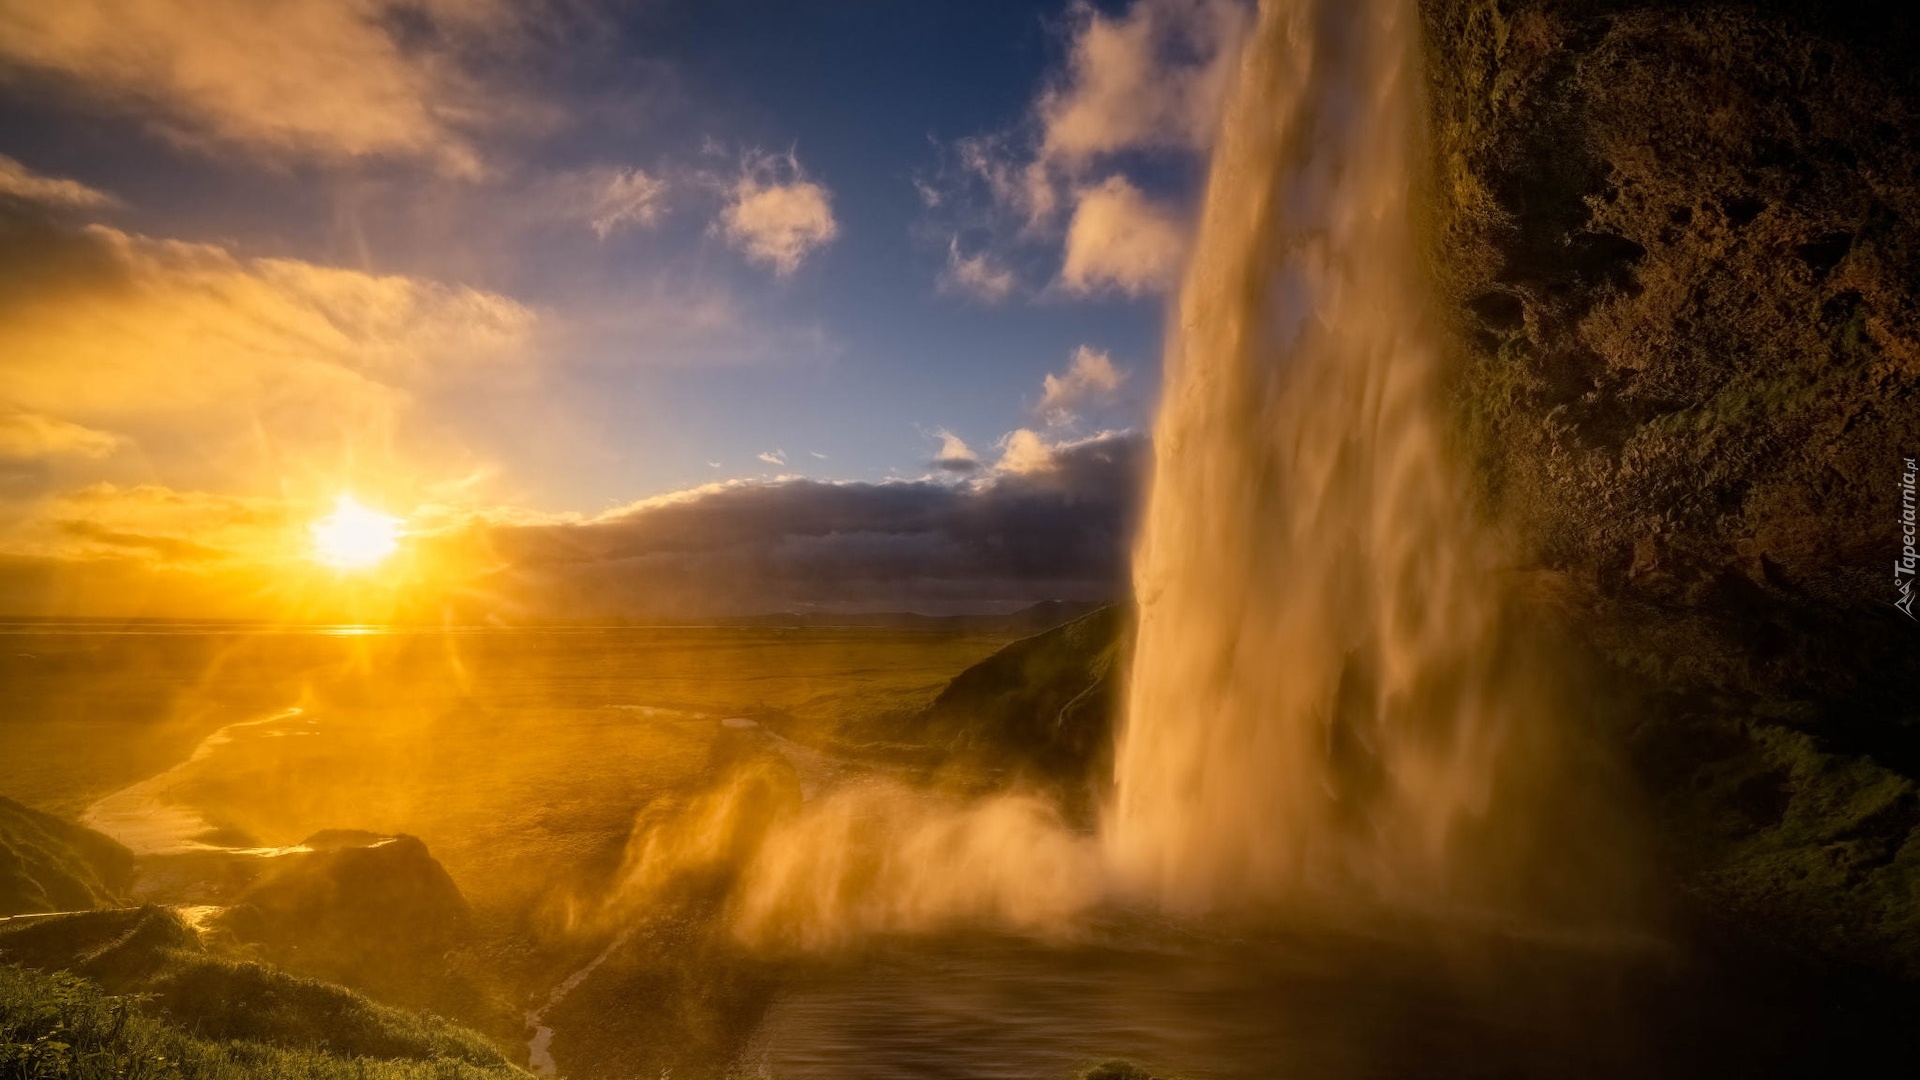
354,537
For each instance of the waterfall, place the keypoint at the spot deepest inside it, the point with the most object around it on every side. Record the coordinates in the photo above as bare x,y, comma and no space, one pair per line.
1316,705
1329,704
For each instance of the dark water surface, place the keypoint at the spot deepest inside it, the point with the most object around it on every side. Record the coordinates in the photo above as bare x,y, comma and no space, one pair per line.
1329,1005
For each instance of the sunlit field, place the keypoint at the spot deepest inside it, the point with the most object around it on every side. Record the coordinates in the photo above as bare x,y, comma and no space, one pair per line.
517,755
520,757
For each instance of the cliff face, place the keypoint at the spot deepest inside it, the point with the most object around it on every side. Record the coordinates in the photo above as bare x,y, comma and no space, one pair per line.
1683,245
1679,249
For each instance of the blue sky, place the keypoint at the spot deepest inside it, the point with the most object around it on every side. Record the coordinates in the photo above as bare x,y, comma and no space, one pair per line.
555,256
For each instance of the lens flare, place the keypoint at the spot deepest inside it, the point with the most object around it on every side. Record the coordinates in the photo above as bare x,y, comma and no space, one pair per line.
354,537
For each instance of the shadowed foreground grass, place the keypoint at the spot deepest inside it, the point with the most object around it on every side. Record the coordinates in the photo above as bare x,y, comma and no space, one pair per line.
58,1025
132,993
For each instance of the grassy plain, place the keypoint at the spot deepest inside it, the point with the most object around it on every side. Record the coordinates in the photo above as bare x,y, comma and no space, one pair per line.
519,756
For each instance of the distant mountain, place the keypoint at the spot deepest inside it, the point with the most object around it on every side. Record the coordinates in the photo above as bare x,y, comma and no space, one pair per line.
1031,619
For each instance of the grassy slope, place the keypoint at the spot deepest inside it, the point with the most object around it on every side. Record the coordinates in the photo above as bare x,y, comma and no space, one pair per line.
444,736
1044,705
60,1025
47,864
133,993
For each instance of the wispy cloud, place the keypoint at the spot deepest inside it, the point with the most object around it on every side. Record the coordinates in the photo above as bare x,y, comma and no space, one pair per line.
219,363
315,79
773,457
19,182
609,199
27,436
978,275
1151,77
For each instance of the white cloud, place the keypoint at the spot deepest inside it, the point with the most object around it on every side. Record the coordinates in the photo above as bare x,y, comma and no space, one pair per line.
1151,77
1022,186
818,454
773,457
1146,80
978,275
1024,453
1090,378
1027,453
19,182
311,78
954,455
775,215
1120,239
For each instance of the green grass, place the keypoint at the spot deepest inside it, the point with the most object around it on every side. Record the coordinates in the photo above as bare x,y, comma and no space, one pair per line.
130,987
59,1026
47,864
444,736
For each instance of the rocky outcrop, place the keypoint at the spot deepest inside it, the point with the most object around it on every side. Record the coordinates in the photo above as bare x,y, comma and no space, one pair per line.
355,907
1679,247
1043,705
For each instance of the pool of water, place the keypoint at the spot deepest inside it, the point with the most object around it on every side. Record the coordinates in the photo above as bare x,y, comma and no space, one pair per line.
1322,1005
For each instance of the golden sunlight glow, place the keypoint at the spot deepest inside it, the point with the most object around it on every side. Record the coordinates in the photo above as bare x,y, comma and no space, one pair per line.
354,537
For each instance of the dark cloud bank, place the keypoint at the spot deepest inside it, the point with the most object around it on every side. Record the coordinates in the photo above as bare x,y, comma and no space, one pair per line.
995,543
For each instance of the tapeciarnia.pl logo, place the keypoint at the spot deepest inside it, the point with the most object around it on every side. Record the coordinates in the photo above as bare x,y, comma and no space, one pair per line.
1904,566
